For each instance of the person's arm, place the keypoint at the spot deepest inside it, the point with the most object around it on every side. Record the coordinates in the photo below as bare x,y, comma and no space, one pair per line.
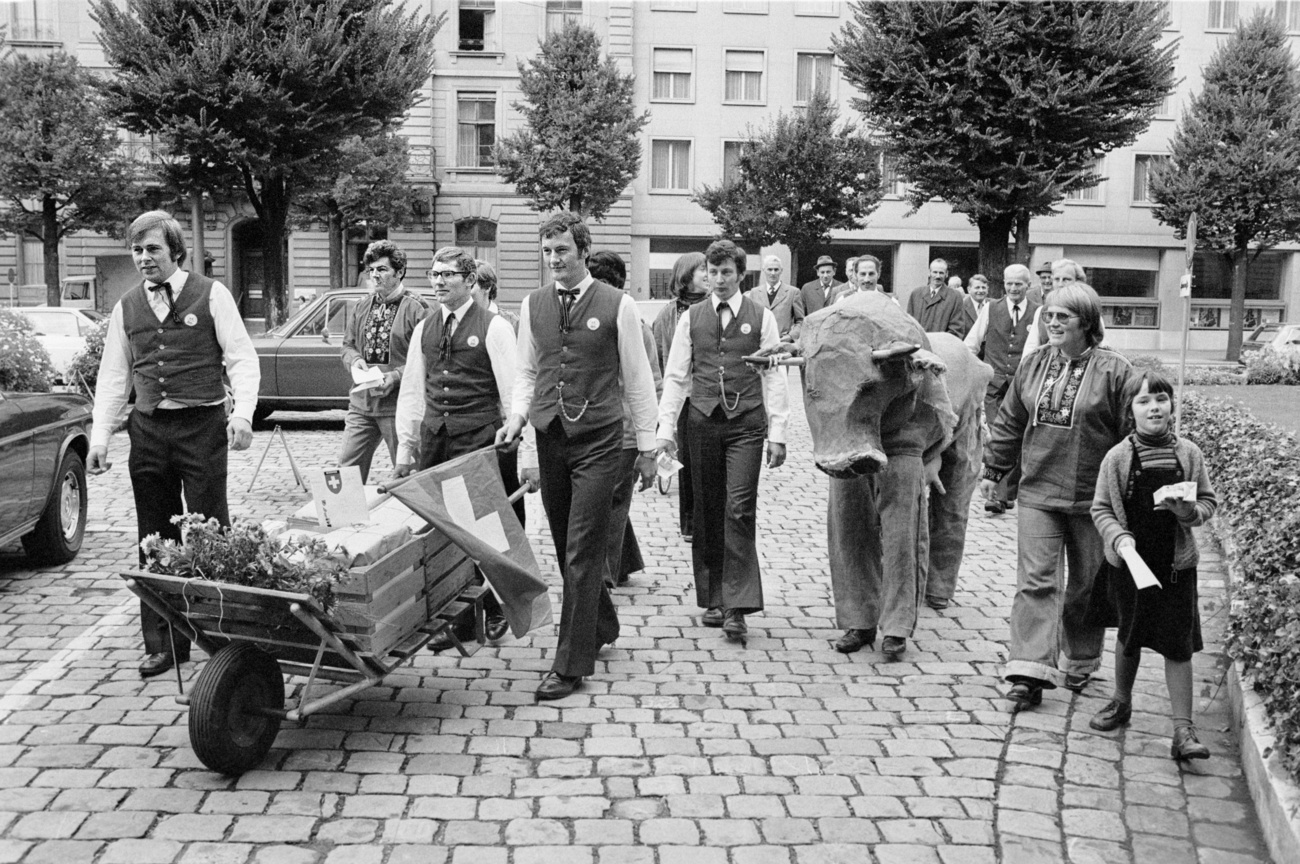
638,382
350,354
1207,502
1006,431
237,349
410,313
798,314
975,338
776,391
957,318
521,398
501,350
113,386
410,401
1108,502
677,376
652,354
1032,341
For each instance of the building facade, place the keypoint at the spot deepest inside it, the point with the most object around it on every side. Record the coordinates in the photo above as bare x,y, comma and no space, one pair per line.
709,71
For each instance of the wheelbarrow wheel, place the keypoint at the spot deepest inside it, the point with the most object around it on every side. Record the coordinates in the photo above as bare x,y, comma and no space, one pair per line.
664,484
228,731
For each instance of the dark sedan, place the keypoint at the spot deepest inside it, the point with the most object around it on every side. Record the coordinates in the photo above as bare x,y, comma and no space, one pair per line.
301,363
44,438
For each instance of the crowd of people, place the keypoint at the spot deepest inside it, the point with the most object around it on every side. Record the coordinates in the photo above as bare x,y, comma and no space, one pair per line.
583,400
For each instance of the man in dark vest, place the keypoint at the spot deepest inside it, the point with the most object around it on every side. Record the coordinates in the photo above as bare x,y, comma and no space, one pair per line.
733,409
460,362
169,337
998,337
580,356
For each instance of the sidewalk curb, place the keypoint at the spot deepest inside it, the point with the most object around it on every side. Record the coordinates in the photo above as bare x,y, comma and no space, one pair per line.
1276,796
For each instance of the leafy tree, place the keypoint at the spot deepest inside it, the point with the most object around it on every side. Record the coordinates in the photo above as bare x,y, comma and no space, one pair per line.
798,179
60,170
579,147
1236,157
282,81
999,108
363,182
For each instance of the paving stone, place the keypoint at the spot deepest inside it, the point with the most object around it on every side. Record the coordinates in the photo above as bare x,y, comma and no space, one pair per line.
140,852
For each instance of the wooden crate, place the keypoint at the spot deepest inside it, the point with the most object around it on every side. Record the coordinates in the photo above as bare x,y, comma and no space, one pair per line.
448,571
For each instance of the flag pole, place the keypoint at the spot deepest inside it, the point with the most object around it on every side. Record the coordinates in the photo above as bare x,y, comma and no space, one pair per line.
1185,291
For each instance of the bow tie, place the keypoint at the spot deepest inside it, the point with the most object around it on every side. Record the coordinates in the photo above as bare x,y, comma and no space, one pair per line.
568,292
160,286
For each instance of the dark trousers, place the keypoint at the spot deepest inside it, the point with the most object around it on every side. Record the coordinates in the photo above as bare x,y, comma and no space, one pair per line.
624,554
726,458
175,452
579,473
685,481
441,446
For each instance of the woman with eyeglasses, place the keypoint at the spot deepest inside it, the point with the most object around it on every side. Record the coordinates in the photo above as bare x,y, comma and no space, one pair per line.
1061,415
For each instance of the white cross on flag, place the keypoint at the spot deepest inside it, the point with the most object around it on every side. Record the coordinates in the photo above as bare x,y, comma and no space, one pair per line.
465,500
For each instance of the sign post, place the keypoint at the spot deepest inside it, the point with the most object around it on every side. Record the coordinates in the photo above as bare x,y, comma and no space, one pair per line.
1185,291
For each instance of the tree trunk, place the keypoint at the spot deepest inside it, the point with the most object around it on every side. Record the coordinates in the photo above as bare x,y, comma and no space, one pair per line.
1022,238
1237,311
50,246
995,230
275,220
334,228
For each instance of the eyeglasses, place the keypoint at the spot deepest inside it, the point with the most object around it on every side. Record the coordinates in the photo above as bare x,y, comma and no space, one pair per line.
1062,317
444,275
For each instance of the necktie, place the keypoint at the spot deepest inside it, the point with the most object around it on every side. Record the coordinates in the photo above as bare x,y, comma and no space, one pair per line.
448,327
1015,314
567,298
171,301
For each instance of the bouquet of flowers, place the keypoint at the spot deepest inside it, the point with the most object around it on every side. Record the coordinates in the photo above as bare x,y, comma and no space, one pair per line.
246,554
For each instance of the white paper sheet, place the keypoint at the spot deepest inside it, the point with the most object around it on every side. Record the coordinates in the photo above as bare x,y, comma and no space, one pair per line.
1184,491
1138,569
366,379
667,466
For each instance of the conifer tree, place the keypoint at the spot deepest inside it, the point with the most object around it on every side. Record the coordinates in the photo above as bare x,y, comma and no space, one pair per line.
1236,157
578,148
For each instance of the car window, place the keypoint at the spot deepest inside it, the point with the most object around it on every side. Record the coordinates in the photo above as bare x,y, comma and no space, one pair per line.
312,322
339,309
53,323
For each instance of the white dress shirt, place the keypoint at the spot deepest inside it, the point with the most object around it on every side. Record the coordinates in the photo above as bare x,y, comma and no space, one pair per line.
634,368
500,344
678,369
975,338
1031,341
113,387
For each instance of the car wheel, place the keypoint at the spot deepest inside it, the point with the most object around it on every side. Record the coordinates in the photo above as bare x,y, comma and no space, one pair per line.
57,537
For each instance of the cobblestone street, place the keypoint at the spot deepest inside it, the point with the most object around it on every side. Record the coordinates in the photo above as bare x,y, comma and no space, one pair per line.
682,749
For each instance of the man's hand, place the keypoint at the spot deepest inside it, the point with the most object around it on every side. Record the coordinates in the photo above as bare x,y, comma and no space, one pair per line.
97,459
666,445
775,454
931,471
645,464
239,434
391,379
509,433
402,469
988,488
531,478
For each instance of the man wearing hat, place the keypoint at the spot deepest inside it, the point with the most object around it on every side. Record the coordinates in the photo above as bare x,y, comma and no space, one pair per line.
816,294
1039,290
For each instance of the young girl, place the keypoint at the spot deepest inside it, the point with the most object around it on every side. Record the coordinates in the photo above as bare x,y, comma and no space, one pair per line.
1164,619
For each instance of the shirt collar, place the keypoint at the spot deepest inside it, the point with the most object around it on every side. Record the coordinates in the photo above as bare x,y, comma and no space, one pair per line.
459,311
1010,303
733,303
397,295
176,280
581,286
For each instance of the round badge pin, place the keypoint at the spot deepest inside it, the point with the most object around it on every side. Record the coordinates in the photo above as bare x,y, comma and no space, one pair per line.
191,319
746,329
473,341
593,323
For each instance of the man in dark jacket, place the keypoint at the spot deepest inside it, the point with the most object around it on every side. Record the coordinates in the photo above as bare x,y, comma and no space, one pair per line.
939,308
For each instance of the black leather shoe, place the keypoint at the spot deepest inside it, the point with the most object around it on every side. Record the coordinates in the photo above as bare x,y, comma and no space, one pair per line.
1010,505
557,686
711,618
1187,746
733,623
938,604
855,640
1077,682
997,508
441,642
1024,694
495,627
1113,716
893,647
157,664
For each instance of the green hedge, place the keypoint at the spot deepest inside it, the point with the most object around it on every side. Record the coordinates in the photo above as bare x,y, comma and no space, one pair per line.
1272,367
1255,468
24,364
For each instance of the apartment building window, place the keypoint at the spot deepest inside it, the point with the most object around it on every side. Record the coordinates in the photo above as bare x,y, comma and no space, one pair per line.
475,21
818,8
32,253
1142,168
672,74
812,73
744,76
890,181
731,152
560,13
1222,15
672,5
1092,194
745,7
476,129
31,21
1288,15
670,166
1167,15
478,237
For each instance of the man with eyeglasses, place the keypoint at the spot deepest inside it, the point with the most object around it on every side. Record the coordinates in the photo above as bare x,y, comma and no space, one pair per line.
376,335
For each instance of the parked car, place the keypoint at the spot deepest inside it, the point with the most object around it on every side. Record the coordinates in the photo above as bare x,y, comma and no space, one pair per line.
44,438
1278,337
62,331
301,360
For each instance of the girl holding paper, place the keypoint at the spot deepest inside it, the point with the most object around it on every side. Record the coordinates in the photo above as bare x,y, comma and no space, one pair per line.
1145,504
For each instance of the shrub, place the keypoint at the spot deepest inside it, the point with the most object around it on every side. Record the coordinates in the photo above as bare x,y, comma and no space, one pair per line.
1209,375
1152,362
1267,366
24,364
1255,468
83,371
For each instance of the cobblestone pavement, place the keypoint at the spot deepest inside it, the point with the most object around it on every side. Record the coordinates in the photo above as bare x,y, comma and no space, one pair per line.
682,749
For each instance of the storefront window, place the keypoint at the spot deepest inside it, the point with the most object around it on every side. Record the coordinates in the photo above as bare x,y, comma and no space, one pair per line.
1212,277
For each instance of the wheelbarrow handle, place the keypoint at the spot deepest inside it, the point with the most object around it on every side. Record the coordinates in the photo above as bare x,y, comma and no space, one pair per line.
771,360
